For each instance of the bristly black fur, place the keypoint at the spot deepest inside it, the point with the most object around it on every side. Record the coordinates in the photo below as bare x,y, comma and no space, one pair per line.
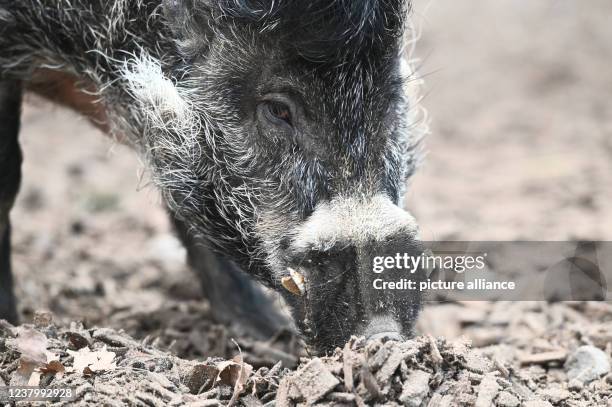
319,29
191,84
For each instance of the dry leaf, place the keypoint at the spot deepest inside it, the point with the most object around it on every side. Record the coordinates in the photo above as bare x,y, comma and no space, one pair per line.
201,378
77,341
233,371
55,367
88,362
52,366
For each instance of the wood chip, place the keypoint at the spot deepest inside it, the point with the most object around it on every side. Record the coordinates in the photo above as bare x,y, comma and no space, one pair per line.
369,382
341,397
396,355
315,381
415,388
487,390
543,358
347,366
436,357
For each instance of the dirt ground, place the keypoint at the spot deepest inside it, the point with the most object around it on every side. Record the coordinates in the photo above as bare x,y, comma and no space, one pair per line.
518,94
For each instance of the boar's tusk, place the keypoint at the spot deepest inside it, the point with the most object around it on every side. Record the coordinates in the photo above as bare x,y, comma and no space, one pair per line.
290,286
298,279
294,283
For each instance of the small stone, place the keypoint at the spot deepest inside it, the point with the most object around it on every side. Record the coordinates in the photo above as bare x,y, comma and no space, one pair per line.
507,399
555,394
587,363
415,388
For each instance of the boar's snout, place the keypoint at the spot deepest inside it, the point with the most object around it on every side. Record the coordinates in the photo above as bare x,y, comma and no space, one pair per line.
329,272
383,328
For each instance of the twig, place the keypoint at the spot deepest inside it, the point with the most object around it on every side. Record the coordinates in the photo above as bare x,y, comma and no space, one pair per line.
435,352
347,367
238,387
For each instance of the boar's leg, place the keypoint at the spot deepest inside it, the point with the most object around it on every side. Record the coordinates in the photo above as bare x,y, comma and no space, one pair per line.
10,176
235,298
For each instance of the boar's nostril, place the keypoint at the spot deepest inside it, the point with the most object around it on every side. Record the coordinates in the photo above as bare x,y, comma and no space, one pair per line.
383,328
385,336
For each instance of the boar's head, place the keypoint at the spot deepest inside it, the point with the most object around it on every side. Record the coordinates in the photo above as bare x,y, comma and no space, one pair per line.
285,139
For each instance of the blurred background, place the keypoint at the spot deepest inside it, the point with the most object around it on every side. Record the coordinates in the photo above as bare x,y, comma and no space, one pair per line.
519,95
520,100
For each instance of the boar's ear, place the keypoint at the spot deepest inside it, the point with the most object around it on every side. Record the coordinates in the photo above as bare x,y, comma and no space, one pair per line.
189,21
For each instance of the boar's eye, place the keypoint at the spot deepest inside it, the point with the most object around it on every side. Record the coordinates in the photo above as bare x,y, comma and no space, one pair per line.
279,111
276,112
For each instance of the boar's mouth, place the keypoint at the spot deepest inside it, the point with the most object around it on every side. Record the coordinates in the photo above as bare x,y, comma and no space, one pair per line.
325,272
